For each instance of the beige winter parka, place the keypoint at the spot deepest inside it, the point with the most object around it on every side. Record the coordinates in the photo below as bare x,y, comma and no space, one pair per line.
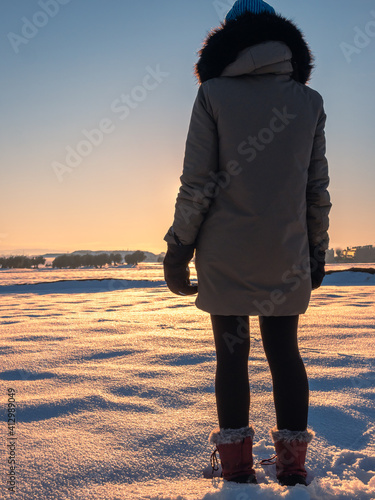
253,194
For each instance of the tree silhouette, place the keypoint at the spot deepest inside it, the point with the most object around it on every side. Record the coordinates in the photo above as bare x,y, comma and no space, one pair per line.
135,258
338,253
117,258
37,261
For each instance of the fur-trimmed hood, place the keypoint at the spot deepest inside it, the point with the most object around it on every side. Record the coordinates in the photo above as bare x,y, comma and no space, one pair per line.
223,44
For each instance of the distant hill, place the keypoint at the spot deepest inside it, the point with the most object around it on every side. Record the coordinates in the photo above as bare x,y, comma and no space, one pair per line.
51,255
150,257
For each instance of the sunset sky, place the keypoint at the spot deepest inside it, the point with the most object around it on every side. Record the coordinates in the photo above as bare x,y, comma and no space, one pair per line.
67,70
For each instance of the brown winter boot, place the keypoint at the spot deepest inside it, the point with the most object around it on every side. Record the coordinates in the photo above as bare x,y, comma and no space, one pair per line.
235,447
291,448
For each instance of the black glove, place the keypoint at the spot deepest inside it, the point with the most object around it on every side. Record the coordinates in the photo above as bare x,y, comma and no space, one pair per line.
317,263
176,269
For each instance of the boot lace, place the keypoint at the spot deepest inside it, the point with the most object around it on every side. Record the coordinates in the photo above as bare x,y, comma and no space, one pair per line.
267,461
214,461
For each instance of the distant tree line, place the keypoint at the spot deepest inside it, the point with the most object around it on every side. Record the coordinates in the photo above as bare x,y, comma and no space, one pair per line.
21,262
73,261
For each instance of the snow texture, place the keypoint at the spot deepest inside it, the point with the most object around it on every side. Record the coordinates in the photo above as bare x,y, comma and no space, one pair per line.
114,384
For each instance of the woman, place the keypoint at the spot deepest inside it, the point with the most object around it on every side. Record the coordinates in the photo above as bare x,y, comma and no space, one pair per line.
254,206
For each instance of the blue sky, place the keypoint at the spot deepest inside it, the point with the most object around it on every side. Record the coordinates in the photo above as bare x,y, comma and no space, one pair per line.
67,77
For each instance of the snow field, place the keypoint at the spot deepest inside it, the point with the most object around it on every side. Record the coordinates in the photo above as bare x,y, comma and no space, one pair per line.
115,394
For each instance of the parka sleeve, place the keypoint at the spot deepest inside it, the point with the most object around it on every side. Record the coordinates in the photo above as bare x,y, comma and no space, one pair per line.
198,178
317,195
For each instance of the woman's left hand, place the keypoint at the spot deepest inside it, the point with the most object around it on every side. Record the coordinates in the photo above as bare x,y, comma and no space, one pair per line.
317,266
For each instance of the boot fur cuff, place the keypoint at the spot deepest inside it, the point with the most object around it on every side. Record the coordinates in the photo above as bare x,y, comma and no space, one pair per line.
229,436
288,436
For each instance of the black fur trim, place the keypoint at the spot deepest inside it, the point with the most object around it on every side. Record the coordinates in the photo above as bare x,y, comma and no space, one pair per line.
223,44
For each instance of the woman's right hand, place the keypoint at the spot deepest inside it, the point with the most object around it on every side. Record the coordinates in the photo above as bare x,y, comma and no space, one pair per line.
176,269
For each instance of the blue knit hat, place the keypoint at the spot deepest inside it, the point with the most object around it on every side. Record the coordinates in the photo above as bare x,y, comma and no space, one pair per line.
243,6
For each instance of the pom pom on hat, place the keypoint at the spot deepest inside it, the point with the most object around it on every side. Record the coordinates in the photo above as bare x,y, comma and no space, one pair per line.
243,6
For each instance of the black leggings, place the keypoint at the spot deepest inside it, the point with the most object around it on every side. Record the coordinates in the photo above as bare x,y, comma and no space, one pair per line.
290,384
